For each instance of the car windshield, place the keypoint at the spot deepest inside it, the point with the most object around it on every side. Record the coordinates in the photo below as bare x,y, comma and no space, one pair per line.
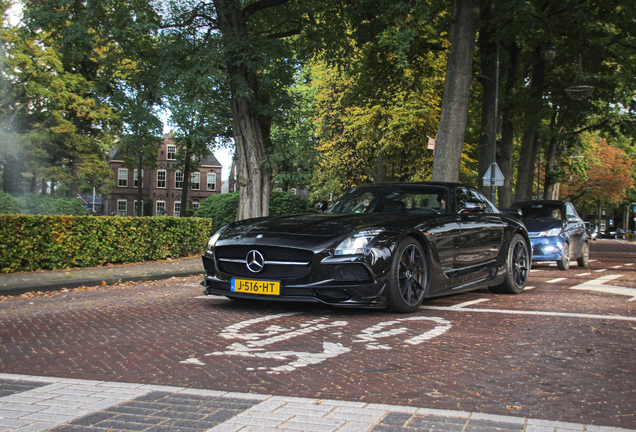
392,199
541,211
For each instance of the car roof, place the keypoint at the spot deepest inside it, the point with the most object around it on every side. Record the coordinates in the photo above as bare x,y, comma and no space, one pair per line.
520,203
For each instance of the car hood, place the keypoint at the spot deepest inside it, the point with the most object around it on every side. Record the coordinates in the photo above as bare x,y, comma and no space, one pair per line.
538,225
320,226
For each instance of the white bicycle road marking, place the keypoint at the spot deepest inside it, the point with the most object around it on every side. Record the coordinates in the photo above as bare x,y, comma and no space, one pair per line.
597,285
371,334
255,343
556,280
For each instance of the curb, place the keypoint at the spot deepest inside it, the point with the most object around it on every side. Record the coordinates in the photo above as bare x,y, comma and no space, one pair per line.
57,286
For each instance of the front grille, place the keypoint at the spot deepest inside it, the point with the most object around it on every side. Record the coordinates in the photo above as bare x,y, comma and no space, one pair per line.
270,253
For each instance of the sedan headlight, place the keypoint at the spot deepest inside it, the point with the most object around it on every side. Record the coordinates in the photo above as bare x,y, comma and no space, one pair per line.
550,233
357,243
215,238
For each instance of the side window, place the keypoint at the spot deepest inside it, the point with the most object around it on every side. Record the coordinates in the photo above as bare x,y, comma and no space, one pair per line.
490,207
570,212
461,196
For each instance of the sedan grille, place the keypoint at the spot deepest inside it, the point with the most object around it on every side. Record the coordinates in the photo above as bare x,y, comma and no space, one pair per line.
280,262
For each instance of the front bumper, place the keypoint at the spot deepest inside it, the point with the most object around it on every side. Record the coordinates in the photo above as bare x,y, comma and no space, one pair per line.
546,248
365,294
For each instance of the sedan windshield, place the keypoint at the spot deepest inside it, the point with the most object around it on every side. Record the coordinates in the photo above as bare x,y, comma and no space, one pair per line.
390,199
541,211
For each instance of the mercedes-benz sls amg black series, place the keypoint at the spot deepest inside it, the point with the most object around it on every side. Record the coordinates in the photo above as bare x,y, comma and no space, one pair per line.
378,246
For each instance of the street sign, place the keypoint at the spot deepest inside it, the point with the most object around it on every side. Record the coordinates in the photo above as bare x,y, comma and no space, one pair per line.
499,178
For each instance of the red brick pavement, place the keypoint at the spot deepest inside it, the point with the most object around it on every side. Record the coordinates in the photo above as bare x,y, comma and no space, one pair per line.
551,367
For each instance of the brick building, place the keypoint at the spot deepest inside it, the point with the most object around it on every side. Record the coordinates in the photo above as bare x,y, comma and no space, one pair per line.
162,185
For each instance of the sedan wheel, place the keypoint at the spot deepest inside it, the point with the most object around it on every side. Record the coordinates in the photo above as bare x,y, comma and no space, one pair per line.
409,277
517,267
564,262
585,255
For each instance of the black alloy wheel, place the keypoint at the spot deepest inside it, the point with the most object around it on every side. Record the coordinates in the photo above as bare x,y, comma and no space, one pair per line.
517,267
409,277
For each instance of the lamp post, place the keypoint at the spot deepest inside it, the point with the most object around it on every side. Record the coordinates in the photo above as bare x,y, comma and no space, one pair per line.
549,51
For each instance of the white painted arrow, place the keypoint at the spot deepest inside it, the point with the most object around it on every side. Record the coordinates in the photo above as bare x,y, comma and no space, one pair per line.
597,285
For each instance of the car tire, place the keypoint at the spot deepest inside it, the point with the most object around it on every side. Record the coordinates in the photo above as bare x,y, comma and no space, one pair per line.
585,255
564,262
517,267
409,278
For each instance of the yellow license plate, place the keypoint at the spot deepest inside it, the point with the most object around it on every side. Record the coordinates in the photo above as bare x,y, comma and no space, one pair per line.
255,287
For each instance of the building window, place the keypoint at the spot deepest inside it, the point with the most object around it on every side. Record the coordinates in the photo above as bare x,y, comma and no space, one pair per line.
138,210
195,205
177,208
123,177
172,152
161,178
178,180
603,225
137,178
161,208
121,207
196,180
293,190
211,181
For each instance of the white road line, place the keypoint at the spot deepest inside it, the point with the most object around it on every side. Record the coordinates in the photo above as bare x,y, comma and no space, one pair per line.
601,270
597,285
468,303
617,266
629,264
536,313
583,274
591,261
556,280
528,288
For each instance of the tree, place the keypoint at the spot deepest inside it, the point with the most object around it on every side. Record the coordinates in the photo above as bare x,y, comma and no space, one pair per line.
452,123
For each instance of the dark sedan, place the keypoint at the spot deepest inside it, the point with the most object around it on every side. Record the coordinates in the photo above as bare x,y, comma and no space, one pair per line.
380,246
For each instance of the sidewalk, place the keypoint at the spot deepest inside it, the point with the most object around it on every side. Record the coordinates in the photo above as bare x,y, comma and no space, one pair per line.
55,280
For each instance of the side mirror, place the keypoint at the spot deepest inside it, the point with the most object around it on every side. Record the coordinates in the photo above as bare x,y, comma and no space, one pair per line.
512,211
573,219
322,206
473,207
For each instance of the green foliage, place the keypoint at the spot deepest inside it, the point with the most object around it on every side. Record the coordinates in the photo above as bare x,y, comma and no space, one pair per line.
9,204
222,208
285,203
30,243
36,204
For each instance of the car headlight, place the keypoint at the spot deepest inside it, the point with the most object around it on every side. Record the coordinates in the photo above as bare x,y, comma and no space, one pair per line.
550,233
215,238
357,243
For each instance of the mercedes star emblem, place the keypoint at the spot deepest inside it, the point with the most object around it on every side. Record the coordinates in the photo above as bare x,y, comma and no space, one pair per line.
254,261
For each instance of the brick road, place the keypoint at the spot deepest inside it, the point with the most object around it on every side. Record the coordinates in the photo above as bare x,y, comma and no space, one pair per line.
575,364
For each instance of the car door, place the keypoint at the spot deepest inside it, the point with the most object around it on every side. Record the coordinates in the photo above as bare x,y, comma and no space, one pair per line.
574,229
481,233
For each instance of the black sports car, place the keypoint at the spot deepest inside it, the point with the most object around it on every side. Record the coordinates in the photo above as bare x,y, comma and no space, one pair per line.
380,246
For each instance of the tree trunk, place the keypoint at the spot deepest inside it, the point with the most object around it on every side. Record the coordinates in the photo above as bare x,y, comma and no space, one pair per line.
186,180
253,179
551,186
72,191
452,124
43,191
529,143
487,52
504,155
139,211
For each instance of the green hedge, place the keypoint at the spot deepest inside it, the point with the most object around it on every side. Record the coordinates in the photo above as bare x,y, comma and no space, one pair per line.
56,242
222,208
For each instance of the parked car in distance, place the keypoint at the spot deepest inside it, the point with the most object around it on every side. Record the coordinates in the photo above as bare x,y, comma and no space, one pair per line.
613,233
591,233
556,231
378,246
